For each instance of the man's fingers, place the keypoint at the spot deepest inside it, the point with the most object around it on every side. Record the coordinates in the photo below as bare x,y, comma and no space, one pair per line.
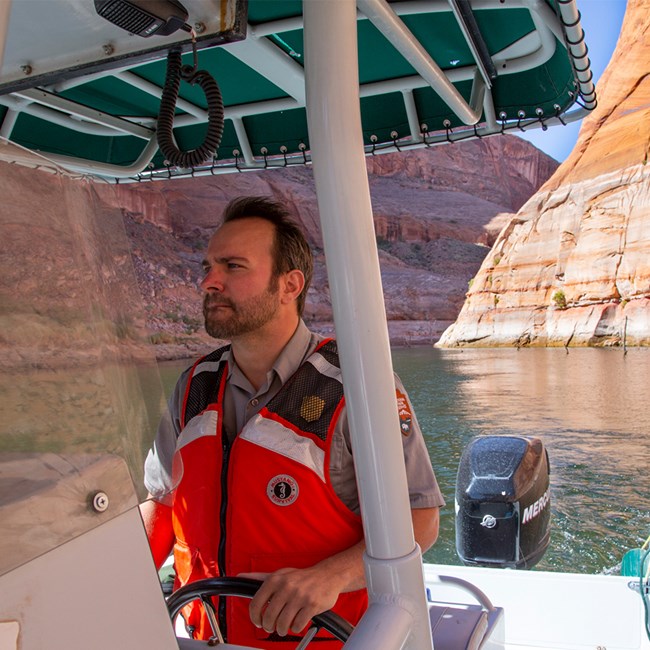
279,607
276,615
276,604
301,620
288,599
259,603
298,610
287,619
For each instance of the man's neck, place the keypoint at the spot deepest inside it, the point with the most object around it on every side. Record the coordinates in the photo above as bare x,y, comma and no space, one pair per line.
256,352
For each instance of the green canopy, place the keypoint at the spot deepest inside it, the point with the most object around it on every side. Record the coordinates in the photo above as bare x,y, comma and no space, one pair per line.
513,64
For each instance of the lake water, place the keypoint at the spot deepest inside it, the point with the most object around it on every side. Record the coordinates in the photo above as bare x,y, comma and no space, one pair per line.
589,407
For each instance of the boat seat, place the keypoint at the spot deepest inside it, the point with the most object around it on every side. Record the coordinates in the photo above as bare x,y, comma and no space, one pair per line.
462,626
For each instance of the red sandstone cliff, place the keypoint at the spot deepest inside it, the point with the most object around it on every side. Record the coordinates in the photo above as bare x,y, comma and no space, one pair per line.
436,211
572,267
89,269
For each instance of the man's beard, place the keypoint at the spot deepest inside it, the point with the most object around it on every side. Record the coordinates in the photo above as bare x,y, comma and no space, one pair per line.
239,318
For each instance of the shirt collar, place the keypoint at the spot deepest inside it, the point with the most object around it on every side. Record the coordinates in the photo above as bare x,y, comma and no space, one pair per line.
289,360
294,353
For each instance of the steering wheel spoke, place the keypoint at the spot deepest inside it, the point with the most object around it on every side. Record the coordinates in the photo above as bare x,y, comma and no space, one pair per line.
306,640
217,637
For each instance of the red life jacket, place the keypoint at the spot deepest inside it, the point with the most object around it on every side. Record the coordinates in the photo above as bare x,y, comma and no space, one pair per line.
265,502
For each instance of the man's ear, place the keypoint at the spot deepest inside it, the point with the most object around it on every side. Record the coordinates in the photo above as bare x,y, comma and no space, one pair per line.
293,282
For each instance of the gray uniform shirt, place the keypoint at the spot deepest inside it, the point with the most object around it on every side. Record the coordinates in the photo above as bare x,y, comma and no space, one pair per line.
242,401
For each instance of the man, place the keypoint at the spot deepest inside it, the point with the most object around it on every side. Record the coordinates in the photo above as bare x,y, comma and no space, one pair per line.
251,472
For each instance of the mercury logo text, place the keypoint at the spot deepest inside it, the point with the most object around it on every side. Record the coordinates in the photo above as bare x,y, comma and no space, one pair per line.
536,508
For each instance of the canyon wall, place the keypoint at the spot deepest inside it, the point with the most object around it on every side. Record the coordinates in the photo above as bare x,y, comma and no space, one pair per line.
436,213
572,266
93,269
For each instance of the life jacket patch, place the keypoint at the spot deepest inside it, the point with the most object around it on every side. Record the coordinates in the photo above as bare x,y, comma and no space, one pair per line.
312,408
282,490
405,415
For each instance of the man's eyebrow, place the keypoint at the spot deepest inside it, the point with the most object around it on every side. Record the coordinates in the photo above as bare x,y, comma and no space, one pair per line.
225,259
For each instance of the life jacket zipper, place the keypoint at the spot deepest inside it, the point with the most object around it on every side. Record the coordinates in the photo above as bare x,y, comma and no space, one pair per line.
221,560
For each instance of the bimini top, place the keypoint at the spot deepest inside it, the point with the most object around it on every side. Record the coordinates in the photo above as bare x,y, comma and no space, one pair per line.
86,93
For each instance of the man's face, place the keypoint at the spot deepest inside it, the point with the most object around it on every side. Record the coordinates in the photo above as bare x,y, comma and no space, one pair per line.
240,293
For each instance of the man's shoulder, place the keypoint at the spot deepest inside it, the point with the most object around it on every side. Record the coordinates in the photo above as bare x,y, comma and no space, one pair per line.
195,387
318,341
209,362
219,355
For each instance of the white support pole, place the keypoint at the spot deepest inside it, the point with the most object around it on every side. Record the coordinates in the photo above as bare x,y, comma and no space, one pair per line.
394,563
412,115
244,142
76,110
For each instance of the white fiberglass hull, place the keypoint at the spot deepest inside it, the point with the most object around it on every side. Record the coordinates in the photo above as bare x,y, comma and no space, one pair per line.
553,610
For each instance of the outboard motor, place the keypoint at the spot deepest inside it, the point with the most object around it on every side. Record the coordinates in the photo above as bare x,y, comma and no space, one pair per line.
503,503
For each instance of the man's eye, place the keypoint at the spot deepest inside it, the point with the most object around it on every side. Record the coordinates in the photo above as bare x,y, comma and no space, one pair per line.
234,265
206,269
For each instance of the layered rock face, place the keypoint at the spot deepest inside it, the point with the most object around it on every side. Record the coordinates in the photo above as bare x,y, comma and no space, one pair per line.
436,212
90,269
572,267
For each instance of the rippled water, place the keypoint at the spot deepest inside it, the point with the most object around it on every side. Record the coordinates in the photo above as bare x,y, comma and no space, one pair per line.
589,407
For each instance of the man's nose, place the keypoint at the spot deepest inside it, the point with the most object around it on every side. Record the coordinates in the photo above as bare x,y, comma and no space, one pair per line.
212,280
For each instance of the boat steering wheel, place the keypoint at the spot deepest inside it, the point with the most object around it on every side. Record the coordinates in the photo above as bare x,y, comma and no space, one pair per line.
203,590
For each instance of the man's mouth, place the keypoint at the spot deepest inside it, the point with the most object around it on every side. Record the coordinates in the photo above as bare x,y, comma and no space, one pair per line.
217,304
210,303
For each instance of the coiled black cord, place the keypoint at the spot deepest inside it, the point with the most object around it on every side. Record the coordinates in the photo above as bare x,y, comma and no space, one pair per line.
165,134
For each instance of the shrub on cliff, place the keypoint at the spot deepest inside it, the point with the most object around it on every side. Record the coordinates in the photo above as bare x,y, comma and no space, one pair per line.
559,299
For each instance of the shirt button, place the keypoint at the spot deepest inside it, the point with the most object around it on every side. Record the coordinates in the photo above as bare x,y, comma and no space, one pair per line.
255,401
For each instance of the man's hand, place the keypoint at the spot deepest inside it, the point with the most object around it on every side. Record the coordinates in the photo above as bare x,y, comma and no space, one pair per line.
289,598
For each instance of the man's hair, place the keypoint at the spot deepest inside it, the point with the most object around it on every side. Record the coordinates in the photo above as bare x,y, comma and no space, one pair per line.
290,248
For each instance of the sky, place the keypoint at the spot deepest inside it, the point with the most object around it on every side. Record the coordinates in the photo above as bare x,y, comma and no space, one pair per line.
601,20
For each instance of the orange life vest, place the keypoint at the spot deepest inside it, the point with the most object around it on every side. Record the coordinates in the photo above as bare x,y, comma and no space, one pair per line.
266,501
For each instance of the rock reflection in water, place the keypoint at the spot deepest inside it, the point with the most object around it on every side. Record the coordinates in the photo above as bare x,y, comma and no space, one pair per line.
588,407
73,413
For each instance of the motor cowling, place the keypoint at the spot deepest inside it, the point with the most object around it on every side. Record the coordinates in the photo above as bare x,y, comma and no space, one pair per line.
503,503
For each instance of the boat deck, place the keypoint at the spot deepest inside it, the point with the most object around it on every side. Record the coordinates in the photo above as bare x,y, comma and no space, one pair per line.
554,610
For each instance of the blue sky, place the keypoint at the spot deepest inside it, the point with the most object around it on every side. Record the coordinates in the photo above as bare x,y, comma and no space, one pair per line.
601,20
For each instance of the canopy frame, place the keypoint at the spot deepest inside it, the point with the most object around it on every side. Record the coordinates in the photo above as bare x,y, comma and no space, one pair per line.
472,113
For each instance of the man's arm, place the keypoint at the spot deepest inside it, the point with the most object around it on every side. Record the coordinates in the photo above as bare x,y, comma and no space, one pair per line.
426,523
157,518
289,598
158,476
